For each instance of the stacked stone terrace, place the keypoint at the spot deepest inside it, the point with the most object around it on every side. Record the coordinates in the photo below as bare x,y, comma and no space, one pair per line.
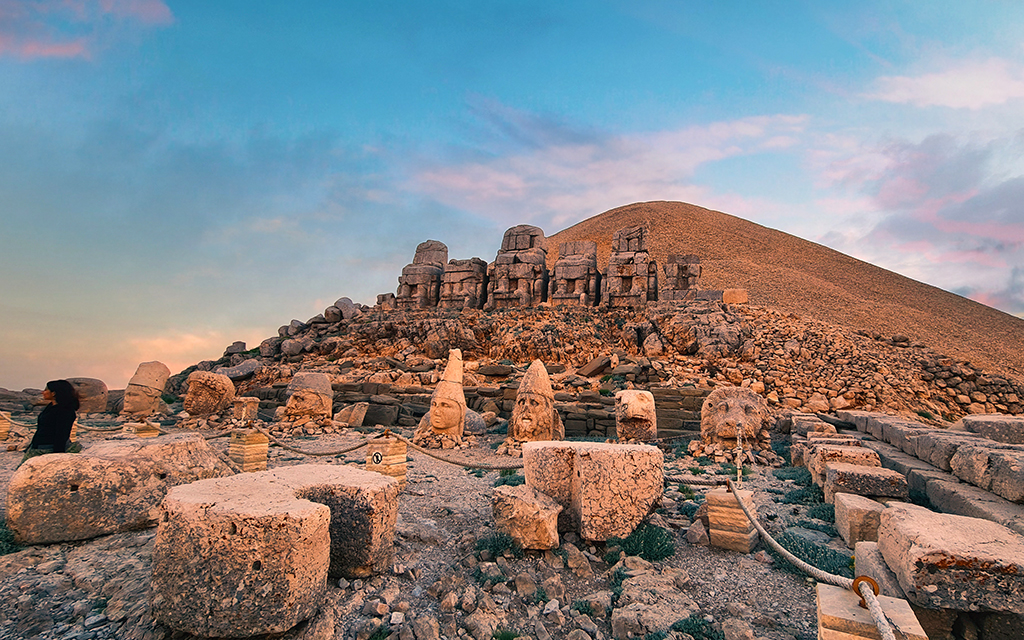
959,559
519,278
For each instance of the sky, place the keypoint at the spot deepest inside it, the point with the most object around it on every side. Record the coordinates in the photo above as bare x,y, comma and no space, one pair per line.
175,176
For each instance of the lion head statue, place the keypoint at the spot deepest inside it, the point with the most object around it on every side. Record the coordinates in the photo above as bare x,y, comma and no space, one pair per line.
730,415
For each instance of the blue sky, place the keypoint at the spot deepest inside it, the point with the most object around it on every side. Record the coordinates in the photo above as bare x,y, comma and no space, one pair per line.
175,176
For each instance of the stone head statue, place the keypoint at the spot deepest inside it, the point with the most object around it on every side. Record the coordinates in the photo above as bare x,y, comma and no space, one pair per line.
310,395
444,424
208,393
635,418
533,416
731,416
142,395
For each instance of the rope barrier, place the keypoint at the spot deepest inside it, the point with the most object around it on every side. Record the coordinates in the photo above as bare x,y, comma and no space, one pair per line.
307,453
488,467
867,594
695,481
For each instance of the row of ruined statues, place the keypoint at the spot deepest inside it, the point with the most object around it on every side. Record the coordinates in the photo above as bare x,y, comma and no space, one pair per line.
519,276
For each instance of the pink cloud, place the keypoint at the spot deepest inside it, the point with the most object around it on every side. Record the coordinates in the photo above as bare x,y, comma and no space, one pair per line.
71,28
967,85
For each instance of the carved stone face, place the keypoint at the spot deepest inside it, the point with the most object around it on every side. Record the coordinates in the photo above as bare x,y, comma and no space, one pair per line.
635,418
446,416
729,413
532,418
140,400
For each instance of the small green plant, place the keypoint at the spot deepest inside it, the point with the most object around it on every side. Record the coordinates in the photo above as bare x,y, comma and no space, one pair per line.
696,471
611,556
583,607
479,473
498,544
822,557
817,526
927,415
605,392
686,492
729,469
703,460
513,480
657,635
698,628
504,634
7,544
687,509
539,596
798,475
615,583
606,377
807,495
823,511
782,449
382,632
650,542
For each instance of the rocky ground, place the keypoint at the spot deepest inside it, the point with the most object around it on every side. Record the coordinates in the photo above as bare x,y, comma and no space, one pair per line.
442,585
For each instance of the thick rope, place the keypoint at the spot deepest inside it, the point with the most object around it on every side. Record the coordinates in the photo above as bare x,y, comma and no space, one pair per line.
694,480
488,467
309,453
882,621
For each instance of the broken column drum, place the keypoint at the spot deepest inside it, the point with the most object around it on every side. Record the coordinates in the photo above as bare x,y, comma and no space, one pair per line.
631,279
575,279
463,284
420,282
518,277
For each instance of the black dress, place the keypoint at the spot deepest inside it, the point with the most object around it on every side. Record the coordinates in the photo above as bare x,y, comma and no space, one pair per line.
54,428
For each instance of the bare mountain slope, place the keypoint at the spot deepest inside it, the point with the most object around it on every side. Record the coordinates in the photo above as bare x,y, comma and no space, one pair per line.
797,276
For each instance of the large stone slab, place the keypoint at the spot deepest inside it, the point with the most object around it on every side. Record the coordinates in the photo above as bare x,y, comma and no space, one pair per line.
528,515
841,477
112,486
868,561
857,518
251,554
998,427
611,487
953,562
938,447
826,454
840,616
999,470
968,500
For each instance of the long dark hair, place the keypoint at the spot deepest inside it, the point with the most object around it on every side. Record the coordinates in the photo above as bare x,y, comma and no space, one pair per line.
64,394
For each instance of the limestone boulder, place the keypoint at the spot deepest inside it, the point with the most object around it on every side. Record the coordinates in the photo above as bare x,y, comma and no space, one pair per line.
309,394
1001,428
208,393
251,554
651,603
857,518
528,515
348,308
999,470
611,487
953,562
827,454
110,487
841,477
241,371
92,394
353,414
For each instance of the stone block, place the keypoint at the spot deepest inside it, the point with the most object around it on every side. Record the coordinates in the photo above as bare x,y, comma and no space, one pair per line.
728,527
969,500
528,515
733,540
735,296
858,418
607,489
938,447
110,487
998,470
245,408
868,561
826,454
388,456
841,477
953,562
840,615
251,554
998,427
857,518
248,449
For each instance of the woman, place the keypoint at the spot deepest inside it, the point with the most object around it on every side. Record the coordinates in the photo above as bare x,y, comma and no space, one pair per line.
56,420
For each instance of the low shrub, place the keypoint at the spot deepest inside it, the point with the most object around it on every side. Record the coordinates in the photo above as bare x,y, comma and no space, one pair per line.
798,475
513,480
823,511
807,495
698,628
498,544
650,542
7,544
822,557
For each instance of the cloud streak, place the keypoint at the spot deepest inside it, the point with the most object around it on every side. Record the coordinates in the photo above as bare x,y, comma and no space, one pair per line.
64,29
966,85
557,177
